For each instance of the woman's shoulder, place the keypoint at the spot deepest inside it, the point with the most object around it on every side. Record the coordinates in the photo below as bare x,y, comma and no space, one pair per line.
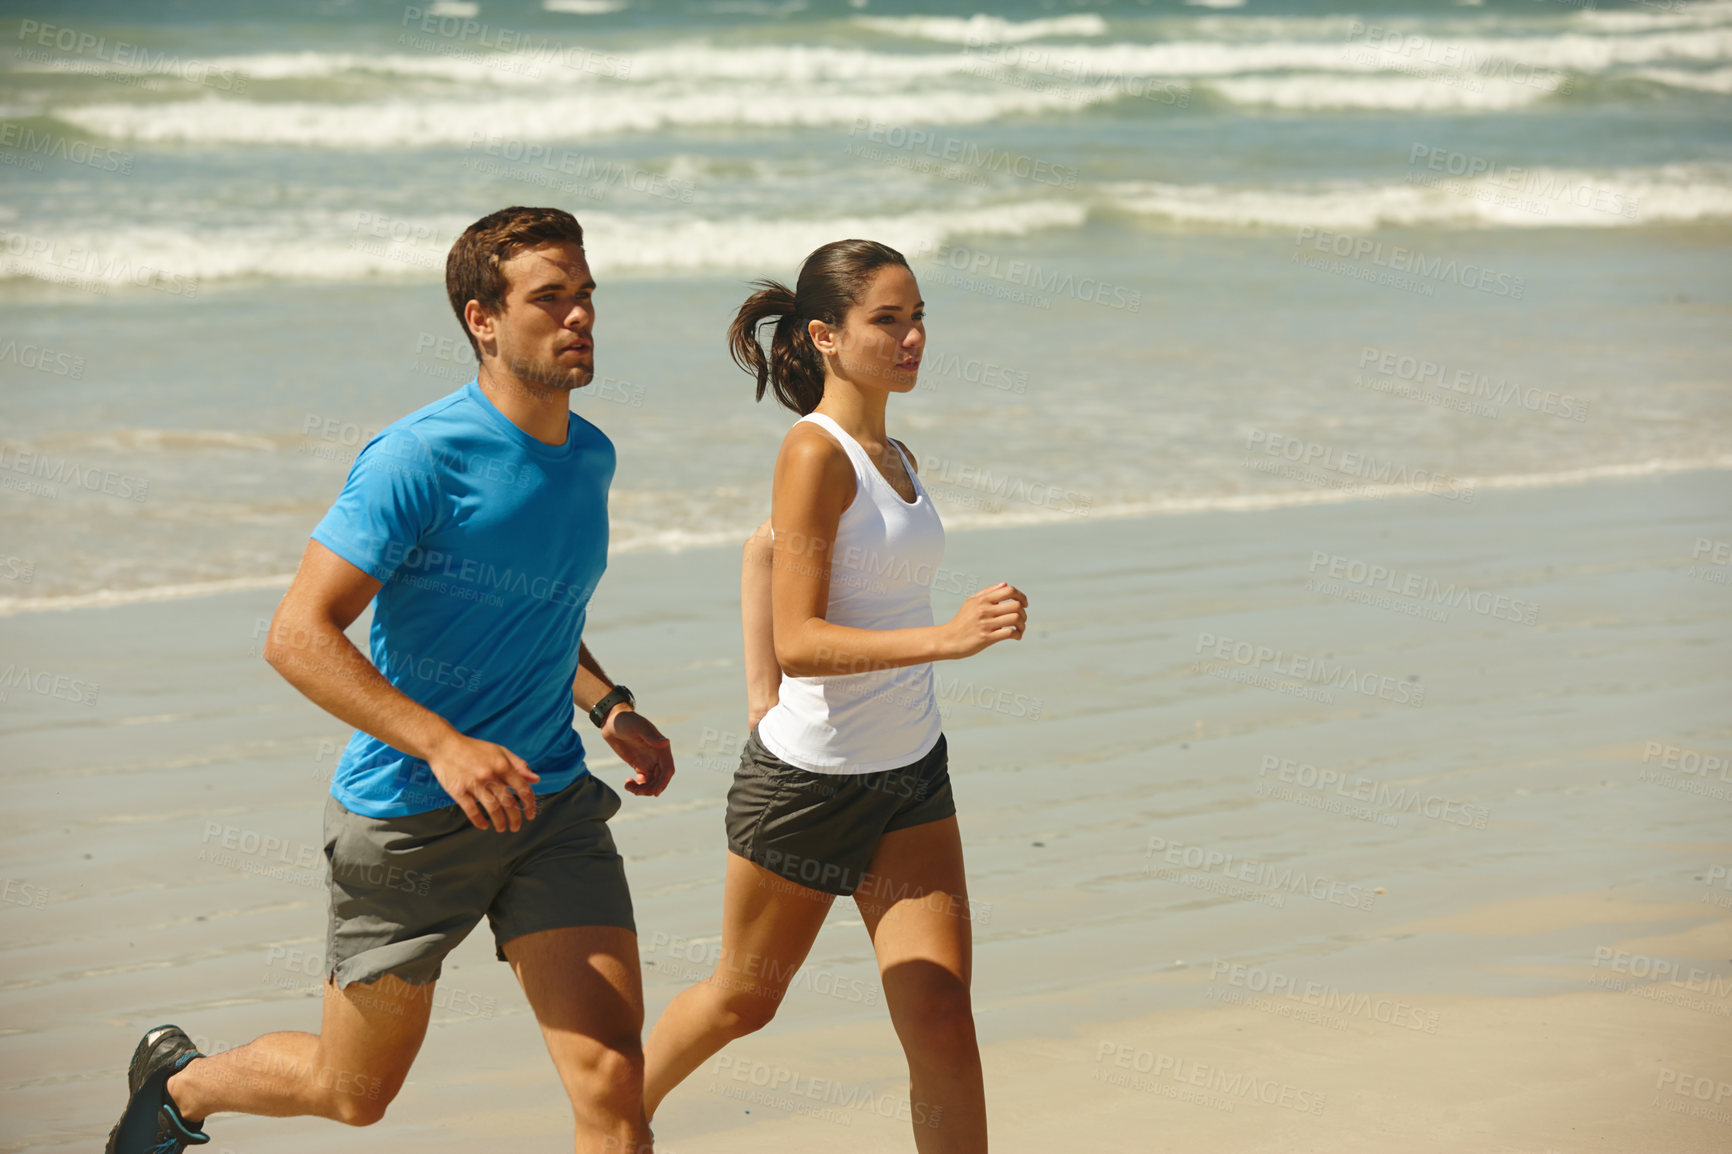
811,443
810,451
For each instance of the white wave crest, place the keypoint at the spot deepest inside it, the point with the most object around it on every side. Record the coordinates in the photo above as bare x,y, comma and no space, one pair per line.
1349,52
1706,80
694,245
1408,94
106,598
178,258
1510,198
585,7
1661,14
694,65
562,92
329,247
169,441
421,123
1292,498
514,69
983,29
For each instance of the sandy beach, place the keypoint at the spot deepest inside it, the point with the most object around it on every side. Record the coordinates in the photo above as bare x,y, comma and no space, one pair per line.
1264,855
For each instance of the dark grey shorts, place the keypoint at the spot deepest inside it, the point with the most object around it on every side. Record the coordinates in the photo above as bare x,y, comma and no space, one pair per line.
406,890
821,829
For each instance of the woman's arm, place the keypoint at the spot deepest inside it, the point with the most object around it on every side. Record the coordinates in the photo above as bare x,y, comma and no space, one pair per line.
814,484
763,674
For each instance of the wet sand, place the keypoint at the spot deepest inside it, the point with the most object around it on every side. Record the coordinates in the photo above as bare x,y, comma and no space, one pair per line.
1264,855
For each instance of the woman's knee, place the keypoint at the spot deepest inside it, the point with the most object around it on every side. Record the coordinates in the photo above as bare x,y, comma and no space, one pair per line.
936,1017
744,1007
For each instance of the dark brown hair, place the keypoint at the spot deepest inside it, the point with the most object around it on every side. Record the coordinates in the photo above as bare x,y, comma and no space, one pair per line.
472,271
832,280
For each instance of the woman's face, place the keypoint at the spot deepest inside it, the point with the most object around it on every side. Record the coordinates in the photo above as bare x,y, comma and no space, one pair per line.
884,335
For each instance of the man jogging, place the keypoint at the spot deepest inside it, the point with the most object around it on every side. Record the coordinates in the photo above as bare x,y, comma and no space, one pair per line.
478,529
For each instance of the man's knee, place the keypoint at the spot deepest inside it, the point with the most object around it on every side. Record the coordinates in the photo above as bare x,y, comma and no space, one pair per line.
358,1100
352,1111
609,1079
612,1144
354,1097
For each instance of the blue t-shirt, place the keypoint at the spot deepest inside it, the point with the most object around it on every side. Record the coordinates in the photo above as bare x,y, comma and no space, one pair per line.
489,543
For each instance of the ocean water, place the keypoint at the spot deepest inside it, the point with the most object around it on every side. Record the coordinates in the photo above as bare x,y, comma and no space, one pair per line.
1179,258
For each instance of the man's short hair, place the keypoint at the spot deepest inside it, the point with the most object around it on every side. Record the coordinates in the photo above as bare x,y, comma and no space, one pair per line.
472,269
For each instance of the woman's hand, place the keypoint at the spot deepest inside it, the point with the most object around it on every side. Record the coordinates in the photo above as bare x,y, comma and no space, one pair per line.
755,712
999,613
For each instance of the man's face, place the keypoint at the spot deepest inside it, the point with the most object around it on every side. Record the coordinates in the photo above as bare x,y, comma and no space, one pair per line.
545,333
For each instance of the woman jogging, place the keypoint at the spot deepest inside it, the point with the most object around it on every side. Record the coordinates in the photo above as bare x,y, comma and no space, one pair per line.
843,787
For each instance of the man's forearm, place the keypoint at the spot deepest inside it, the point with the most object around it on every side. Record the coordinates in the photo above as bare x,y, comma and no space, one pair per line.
591,684
318,659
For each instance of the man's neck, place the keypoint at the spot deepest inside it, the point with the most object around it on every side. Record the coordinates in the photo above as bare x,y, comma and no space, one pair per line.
544,414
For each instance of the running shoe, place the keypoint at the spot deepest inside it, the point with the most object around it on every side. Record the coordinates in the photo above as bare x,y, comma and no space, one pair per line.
151,1124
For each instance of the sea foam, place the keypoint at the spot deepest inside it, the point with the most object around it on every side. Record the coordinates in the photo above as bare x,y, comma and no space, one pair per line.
328,246
1512,198
982,29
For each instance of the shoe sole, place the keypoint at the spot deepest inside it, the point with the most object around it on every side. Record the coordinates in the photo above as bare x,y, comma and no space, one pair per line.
136,1070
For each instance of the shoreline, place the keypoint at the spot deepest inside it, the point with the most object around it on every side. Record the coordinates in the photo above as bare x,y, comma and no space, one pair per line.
962,523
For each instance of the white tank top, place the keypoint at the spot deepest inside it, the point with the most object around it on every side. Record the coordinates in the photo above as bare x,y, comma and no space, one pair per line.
881,570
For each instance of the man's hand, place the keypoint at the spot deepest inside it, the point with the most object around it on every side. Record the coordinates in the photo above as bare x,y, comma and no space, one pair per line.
640,745
489,781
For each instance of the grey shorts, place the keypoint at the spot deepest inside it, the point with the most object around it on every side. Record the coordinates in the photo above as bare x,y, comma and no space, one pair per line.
821,829
406,890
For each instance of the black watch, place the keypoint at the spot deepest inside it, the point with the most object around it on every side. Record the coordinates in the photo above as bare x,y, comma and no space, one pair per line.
605,706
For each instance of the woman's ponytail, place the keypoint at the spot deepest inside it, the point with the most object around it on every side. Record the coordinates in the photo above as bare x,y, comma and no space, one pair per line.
794,368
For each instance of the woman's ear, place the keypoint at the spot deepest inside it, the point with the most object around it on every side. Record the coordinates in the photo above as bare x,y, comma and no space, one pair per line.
823,338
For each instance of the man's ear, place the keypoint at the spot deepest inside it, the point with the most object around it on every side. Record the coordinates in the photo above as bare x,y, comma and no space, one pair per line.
481,323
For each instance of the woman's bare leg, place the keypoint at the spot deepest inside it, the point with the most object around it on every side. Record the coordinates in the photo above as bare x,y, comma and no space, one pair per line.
768,926
914,902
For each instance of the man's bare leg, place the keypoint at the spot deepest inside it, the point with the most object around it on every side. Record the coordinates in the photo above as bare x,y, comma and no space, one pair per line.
349,1071
585,987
